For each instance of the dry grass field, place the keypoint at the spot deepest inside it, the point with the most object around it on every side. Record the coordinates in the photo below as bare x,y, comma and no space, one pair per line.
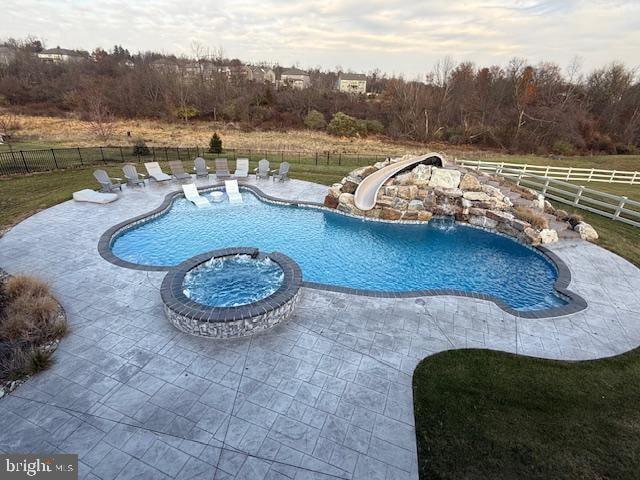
77,133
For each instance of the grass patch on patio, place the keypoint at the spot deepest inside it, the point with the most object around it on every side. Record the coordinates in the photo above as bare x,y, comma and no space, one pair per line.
483,414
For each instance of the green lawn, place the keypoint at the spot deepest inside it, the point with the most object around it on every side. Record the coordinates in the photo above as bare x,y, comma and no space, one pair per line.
491,415
23,195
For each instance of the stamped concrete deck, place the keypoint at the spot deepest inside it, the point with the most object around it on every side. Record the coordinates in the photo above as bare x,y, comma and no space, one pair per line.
326,395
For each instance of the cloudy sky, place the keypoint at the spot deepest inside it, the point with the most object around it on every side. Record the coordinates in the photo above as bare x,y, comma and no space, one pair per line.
400,37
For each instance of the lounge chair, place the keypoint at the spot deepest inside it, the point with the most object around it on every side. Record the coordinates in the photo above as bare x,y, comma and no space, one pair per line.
200,166
242,168
191,194
262,170
282,172
177,170
92,196
133,177
105,181
231,187
155,172
222,168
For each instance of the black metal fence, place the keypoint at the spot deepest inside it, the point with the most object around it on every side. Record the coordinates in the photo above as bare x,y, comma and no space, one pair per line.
16,162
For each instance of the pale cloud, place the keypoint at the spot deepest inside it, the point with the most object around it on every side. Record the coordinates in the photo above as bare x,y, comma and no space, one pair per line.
405,37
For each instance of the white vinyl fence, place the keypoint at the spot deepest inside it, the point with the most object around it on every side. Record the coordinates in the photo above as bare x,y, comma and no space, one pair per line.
616,207
559,173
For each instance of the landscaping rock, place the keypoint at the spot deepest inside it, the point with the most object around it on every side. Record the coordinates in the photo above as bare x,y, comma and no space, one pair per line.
421,175
586,231
538,203
350,184
548,235
470,183
476,196
482,221
424,215
531,236
385,201
410,215
548,208
391,214
444,178
405,178
330,201
415,205
407,192
335,189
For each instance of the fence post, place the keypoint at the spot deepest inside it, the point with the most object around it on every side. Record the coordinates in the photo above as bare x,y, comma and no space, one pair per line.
613,174
590,175
316,159
340,158
166,154
55,162
519,178
24,161
569,174
623,200
546,185
121,154
153,151
633,179
579,194
80,156
546,171
327,158
102,155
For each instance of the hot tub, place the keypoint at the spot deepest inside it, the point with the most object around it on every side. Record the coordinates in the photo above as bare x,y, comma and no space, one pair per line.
230,293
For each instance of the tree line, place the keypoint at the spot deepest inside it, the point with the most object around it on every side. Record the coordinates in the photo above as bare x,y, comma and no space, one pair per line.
518,107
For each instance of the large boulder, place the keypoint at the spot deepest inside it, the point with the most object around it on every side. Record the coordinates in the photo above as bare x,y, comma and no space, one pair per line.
330,201
391,214
415,205
444,178
531,236
408,192
421,175
470,183
482,221
424,215
350,184
548,235
404,178
476,196
335,190
364,172
347,205
586,231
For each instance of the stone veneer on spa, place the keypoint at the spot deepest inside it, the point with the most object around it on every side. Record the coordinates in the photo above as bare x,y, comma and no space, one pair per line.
226,322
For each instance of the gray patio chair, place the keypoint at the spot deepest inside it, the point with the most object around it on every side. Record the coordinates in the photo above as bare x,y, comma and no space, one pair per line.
282,172
200,166
242,168
177,170
133,177
106,182
262,170
222,168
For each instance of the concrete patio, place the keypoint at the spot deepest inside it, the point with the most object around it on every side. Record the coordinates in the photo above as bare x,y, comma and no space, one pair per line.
326,395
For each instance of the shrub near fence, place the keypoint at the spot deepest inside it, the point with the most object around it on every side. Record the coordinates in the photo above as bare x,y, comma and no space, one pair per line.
18,162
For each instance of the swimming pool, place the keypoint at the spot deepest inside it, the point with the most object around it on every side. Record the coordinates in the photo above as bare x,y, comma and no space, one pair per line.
338,250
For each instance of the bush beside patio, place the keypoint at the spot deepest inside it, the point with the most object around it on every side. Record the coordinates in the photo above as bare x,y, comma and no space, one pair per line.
31,326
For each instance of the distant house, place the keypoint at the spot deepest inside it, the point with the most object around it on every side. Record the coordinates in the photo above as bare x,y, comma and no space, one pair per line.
7,55
257,74
352,83
62,55
295,78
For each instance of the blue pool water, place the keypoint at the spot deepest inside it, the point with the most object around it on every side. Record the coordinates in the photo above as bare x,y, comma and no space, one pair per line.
232,281
338,250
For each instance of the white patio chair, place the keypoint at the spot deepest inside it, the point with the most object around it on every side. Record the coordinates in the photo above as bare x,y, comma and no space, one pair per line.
191,194
233,192
155,172
242,168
